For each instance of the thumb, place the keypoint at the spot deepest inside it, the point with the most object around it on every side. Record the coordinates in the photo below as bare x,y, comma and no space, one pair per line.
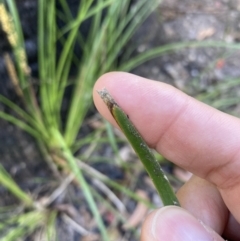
175,224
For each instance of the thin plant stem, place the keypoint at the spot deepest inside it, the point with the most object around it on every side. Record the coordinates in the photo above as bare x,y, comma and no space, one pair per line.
152,166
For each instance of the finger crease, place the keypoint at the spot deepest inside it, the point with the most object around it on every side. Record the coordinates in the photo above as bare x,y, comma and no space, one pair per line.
181,112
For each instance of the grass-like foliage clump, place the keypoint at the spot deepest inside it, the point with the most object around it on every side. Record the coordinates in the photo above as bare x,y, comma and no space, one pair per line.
112,24
104,48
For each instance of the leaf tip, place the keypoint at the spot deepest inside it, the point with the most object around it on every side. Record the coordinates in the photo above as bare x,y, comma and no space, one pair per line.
107,98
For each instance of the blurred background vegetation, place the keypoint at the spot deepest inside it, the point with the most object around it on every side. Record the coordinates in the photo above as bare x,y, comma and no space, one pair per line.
66,174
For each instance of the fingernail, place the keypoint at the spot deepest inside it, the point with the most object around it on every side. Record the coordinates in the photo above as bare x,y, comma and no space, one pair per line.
174,223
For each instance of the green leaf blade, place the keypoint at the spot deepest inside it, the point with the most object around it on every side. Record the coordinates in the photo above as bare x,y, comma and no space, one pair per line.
151,165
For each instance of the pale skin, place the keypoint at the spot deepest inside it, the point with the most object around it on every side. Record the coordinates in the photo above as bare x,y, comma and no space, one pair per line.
194,136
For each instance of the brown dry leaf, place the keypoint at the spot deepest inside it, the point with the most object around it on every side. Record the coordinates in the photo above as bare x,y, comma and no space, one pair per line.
13,74
206,33
139,213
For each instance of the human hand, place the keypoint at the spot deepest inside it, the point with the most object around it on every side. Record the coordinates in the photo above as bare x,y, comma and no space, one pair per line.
194,136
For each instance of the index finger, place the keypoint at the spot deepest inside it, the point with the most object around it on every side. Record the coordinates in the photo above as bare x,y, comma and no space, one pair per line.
193,135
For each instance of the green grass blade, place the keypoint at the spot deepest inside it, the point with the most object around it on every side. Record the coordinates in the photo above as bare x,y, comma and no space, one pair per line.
11,185
92,137
50,229
153,167
113,142
225,102
22,225
159,51
96,174
47,61
92,69
85,187
20,124
28,118
25,116
111,138
82,97
92,12
83,9
123,31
